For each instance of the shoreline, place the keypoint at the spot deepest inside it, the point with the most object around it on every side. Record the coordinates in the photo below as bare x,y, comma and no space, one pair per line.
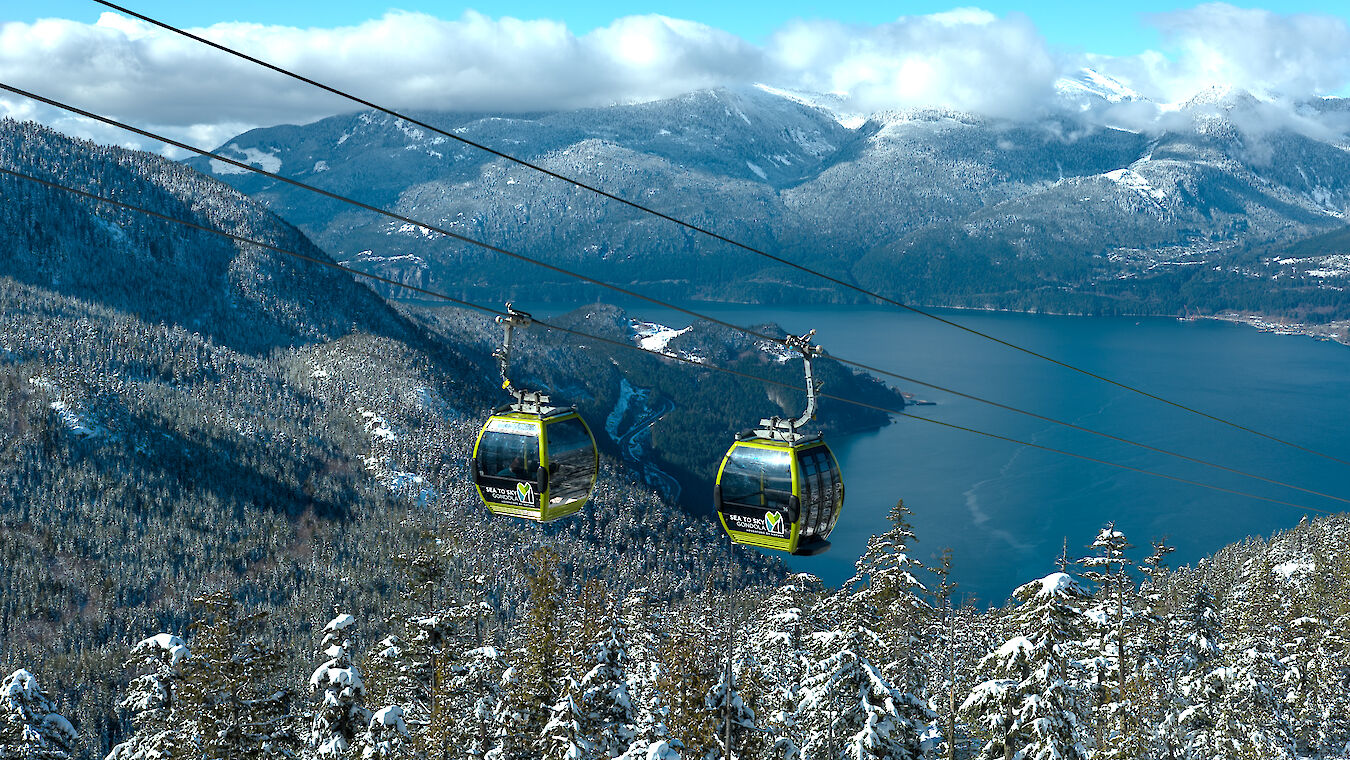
1338,331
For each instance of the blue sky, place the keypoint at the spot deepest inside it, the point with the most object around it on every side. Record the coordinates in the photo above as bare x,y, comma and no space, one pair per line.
1108,28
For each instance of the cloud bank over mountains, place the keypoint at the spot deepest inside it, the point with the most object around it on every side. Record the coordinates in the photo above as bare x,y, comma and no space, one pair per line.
965,59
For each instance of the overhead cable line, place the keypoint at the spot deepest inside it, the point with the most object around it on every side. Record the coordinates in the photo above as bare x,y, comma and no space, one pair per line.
632,294
705,231
609,341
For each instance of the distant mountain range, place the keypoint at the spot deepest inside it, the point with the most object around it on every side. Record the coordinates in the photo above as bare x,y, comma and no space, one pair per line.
1064,212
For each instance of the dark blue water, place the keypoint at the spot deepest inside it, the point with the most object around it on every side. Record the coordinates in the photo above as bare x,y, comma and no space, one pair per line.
1007,510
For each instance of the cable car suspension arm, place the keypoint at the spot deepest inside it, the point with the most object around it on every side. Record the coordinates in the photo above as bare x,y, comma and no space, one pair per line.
509,323
803,346
527,401
780,429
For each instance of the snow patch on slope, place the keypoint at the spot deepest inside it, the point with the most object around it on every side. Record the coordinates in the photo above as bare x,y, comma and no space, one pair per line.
268,162
651,336
75,422
830,102
1135,181
377,427
1289,569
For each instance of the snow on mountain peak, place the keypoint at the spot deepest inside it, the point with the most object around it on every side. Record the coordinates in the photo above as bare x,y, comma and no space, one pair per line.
832,103
1092,83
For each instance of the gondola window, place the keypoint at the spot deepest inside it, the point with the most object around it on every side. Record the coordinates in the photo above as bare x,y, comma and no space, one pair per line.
571,461
758,477
508,455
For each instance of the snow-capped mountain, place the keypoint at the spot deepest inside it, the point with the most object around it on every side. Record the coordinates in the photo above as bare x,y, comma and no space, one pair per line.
1088,88
930,204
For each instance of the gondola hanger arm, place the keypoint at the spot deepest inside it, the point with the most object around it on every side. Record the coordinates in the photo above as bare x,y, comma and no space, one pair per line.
788,430
514,318
533,402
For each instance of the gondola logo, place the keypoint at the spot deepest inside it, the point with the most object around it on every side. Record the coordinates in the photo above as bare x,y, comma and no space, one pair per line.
775,524
526,492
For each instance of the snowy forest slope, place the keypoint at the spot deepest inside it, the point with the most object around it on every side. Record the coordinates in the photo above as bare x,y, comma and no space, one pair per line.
253,538
183,413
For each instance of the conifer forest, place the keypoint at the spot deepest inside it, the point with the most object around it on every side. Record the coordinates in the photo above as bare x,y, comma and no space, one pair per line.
237,522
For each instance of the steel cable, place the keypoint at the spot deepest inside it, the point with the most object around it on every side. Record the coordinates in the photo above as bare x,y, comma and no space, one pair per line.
632,294
686,360
707,232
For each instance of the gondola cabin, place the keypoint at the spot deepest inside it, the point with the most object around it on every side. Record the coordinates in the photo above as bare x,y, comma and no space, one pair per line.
779,495
536,465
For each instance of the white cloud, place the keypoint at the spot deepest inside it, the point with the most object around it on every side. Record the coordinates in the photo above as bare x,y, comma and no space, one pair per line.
966,59
1275,56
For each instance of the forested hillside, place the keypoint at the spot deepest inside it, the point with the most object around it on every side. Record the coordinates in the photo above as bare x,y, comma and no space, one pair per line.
184,414
235,523
1111,656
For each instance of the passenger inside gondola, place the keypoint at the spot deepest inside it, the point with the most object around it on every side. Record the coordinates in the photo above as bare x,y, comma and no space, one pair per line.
514,470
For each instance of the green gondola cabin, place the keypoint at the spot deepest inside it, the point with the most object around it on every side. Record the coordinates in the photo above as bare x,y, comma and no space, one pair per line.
779,495
532,459
539,466
779,487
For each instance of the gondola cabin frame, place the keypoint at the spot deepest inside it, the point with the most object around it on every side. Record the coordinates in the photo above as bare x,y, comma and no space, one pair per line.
531,490
798,522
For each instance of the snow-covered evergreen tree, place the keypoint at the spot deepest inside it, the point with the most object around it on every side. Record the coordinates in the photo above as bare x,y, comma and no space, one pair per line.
431,648
391,678
1116,703
1254,718
30,727
474,684
386,736
687,673
152,700
235,707
1154,671
1306,671
610,718
529,685
1334,736
993,704
340,715
728,710
1031,707
781,647
887,581
652,738
1253,722
422,649
850,711
1201,681
563,737
957,638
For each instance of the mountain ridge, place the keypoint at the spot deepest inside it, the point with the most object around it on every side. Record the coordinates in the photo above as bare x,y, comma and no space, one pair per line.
1096,212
